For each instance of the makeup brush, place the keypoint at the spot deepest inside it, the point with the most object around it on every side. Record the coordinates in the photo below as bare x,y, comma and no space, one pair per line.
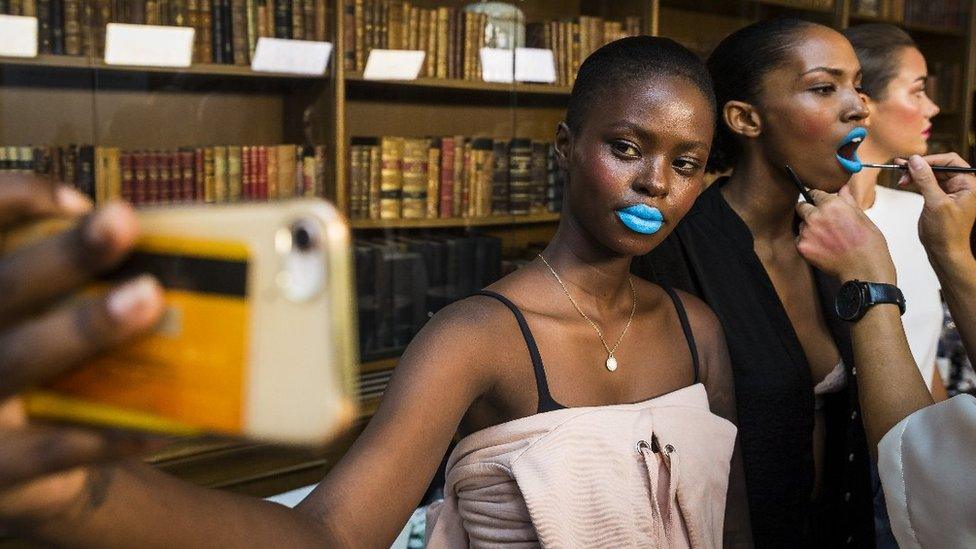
953,169
799,185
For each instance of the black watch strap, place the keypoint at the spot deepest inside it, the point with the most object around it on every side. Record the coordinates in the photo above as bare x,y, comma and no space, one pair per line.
879,292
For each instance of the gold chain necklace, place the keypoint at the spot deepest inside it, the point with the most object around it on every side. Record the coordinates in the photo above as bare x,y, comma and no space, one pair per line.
611,360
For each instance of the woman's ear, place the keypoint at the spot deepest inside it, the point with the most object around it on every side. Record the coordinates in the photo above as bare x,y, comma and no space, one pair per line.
563,145
742,118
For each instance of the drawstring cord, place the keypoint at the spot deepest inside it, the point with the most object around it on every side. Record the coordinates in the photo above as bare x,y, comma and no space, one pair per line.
662,529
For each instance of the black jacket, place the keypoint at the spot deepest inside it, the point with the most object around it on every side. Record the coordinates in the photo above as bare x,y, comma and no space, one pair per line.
710,254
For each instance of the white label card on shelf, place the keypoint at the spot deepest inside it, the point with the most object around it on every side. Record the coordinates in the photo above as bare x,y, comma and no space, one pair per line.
497,65
534,65
291,56
18,36
148,45
394,64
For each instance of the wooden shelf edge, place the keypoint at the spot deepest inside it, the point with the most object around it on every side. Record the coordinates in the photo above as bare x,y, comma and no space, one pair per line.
356,78
377,365
453,222
204,69
796,6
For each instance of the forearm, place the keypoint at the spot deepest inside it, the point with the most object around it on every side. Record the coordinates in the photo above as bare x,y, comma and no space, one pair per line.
958,279
133,505
889,385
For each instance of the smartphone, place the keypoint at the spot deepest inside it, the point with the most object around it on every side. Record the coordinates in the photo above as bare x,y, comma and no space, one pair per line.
258,338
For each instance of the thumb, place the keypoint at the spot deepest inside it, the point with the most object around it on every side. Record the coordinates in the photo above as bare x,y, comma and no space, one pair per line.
924,177
845,194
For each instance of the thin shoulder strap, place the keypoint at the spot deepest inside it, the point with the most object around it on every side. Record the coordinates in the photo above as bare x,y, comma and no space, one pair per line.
546,402
685,327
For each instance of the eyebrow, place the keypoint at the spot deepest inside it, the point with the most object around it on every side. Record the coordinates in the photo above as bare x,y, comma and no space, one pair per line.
922,78
833,71
644,134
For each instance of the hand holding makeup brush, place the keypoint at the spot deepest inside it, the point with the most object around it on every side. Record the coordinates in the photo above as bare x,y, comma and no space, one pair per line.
837,238
950,207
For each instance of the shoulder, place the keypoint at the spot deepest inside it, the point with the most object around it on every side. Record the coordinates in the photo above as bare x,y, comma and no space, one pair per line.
468,326
708,335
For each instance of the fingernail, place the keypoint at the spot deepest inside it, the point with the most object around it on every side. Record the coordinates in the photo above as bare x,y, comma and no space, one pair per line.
916,162
72,201
903,180
99,229
131,296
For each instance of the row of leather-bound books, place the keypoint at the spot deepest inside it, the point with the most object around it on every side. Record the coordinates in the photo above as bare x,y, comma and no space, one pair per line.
453,37
452,176
227,31
214,174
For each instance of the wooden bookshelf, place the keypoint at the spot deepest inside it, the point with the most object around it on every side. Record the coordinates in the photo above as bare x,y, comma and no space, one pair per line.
74,62
449,222
356,80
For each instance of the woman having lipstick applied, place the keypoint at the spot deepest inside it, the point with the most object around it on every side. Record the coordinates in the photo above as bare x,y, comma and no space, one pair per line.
893,80
788,95
596,408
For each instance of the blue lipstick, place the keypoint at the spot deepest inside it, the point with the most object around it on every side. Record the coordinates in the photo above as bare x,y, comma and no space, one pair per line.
847,151
641,218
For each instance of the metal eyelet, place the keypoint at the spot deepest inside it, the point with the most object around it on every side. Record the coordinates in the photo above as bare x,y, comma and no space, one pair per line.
668,448
642,445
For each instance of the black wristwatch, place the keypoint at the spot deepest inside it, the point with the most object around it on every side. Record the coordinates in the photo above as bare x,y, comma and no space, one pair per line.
856,297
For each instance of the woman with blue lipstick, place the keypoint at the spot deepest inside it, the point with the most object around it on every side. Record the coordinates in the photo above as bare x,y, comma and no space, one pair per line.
894,83
596,409
788,94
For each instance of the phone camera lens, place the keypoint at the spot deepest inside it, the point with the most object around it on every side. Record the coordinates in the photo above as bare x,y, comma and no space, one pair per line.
302,239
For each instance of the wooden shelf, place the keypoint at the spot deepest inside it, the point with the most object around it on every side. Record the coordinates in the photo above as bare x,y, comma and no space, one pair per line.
356,79
453,222
796,5
72,62
377,365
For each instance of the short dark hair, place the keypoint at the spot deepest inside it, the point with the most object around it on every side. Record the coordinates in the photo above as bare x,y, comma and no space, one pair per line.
630,60
738,65
878,47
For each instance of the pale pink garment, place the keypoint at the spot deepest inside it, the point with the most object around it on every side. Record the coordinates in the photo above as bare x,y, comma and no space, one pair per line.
582,477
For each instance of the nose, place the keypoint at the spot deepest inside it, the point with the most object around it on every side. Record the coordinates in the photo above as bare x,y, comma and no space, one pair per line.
933,108
653,180
857,111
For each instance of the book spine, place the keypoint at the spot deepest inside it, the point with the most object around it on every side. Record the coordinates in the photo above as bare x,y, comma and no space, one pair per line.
322,21
44,29
308,19
414,179
356,179
72,27
270,190
320,166
520,176
187,175
206,23
374,168
282,18
251,23
433,177
235,176
227,40
467,178
441,41
199,175
57,27
209,181
391,177
287,172
538,176
217,32
240,50
310,172
261,173
499,182
151,12
164,177
128,176
220,173
447,178
297,20
141,178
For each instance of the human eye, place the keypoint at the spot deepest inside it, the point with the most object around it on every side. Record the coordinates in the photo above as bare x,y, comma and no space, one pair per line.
824,89
687,165
625,149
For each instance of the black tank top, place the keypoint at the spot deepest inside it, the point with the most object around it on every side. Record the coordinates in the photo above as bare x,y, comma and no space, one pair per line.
546,402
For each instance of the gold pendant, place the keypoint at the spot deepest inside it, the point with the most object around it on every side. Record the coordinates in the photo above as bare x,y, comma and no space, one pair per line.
611,363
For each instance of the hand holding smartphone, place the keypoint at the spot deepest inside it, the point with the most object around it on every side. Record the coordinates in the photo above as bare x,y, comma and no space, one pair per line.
258,337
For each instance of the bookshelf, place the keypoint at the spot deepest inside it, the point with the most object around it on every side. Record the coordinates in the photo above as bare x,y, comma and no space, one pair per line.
61,99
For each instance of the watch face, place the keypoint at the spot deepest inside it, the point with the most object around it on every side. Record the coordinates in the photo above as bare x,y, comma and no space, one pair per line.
849,301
